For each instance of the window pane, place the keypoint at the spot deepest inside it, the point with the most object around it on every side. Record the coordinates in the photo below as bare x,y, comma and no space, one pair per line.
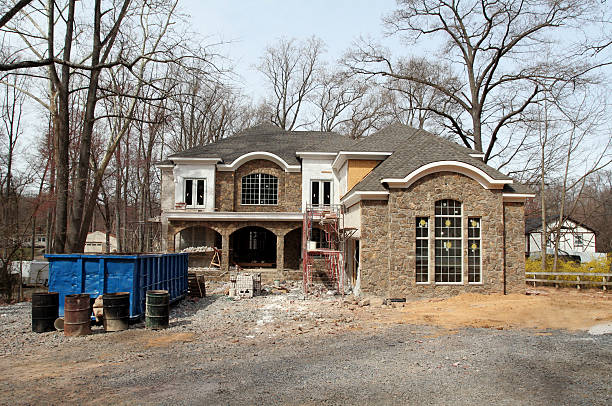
422,227
188,192
200,192
422,249
448,226
268,189
250,189
326,192
474,266
315,193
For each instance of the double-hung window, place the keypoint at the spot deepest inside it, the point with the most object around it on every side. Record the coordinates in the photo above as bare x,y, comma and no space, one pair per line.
321,192
195,192
259,188
448,242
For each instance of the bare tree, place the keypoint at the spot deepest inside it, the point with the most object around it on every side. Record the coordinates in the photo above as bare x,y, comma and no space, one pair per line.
493,48
369,114
416,104
290,69
336,94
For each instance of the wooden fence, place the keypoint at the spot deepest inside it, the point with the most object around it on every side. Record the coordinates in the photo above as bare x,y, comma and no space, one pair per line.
573,278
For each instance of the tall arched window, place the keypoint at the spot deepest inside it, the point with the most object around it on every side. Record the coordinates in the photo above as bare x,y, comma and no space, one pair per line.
448,234
259,188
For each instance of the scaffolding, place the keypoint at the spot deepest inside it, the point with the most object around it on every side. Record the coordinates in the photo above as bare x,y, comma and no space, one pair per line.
330,220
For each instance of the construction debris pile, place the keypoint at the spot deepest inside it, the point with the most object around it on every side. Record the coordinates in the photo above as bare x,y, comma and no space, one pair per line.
194,250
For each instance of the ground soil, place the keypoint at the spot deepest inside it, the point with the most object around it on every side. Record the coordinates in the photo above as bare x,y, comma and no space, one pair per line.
544,308
278,349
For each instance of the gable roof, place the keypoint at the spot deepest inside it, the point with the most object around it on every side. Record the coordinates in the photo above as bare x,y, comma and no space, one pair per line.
268,138
534,223
412,149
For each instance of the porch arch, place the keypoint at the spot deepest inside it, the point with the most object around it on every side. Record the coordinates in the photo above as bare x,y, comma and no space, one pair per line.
253,247
197,236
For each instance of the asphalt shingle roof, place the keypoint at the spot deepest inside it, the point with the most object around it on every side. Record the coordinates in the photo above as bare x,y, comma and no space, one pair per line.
269,138
411,149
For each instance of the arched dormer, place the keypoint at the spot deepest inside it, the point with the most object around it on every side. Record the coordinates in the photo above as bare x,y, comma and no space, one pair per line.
463,168
269,156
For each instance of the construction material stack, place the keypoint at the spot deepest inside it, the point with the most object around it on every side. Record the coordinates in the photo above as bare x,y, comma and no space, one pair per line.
245,284
329,219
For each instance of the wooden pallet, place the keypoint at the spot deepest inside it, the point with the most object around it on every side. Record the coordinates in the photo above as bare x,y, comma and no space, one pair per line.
196,284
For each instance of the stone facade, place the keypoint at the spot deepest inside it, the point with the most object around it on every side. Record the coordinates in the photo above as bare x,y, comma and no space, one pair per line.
167,189
228,188
388,238
514,217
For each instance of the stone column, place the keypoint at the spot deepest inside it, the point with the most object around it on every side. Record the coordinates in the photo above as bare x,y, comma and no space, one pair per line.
164,233
169,237
280,254
225,247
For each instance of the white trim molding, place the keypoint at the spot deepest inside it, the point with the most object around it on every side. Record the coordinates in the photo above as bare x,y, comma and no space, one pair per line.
259,155
161,166
355,197
344,155
517,197
451,166
232,216
316,155
477,155
179,160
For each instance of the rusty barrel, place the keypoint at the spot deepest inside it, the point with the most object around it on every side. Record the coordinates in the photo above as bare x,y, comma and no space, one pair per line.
77,315
45,310
157,312
116,311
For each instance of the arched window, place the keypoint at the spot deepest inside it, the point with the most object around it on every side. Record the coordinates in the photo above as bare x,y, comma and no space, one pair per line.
259,188
448,236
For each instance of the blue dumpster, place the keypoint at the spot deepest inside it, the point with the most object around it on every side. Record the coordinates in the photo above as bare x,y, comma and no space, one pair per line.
99,274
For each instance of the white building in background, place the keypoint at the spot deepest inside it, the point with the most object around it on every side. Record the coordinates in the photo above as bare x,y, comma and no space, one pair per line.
576,239
96,243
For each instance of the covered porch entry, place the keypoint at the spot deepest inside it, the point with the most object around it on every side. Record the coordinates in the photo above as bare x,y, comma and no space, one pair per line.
273,247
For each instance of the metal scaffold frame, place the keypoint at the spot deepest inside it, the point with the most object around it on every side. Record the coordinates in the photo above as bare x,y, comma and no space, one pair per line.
330,220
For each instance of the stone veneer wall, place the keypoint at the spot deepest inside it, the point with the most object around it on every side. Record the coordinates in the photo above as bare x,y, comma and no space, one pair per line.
228,190
374,254
514,214
167,189
388,234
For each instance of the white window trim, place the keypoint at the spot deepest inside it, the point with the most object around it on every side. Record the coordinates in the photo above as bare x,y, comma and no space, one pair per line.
331,191
429,261
462,282
259,190
194,189
480,256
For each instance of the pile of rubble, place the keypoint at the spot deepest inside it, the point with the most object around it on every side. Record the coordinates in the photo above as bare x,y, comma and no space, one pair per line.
200,249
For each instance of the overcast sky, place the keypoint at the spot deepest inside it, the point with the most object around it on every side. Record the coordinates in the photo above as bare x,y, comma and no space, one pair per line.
252,25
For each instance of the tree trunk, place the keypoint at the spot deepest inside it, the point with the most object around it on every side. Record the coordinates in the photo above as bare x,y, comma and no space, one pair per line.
61,126
77,226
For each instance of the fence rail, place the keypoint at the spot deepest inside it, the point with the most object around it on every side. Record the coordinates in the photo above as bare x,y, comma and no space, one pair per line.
537,278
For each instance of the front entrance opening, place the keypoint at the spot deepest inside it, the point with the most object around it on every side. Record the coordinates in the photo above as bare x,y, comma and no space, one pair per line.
293,248
253,247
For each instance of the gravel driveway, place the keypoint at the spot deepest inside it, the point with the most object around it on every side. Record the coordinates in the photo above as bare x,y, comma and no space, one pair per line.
277,350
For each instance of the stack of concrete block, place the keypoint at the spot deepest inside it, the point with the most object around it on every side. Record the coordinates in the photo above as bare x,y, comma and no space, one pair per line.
245,284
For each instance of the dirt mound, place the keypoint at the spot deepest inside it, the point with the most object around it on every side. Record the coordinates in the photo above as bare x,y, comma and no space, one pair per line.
550,309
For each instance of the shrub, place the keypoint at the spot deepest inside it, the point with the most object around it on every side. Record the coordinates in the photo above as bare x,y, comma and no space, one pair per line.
596,266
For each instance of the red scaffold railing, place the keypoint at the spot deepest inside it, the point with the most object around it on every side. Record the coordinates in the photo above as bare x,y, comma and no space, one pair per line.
329,244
